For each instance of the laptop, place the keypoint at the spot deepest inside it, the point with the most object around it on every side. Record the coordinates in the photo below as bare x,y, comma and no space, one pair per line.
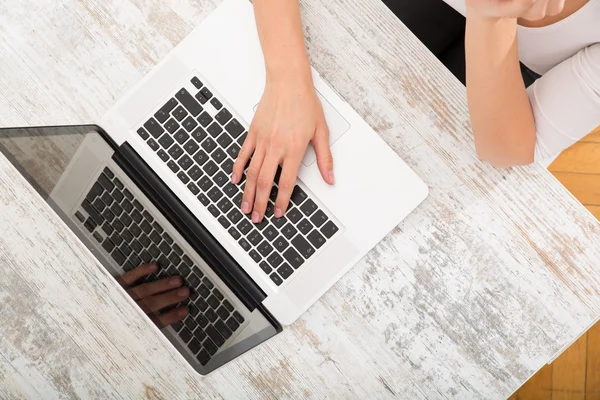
152,183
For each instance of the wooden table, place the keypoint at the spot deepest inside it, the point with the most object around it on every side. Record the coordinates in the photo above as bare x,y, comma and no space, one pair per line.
488,280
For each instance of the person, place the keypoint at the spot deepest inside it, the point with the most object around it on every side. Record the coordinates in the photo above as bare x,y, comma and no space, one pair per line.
512,125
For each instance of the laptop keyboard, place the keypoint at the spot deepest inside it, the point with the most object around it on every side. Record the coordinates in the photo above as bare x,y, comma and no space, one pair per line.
127,231
199,139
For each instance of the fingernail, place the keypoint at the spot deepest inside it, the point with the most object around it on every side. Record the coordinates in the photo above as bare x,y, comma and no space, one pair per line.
174,281
331,177
245,207
234,178
255,217
183,292
182,312
278,213
153,267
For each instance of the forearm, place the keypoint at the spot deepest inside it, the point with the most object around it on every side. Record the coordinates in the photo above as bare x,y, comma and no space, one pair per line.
282,40
501,115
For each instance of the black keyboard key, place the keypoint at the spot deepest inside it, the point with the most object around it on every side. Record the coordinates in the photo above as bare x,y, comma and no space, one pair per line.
175,151
118,196
205,119
204,292
145,257
305,249
106,182
189,102
223,329
107,228
126,219
185,335
90,225
159,228
165,141
210,347
163,155
265,267
145,240
195,346
138,205
293,257
172,125
278,222
180,113
298,195
191,147
164,247
201,98
175,260
255,256
289,231
196,82
189,124
210,168
269,210
280,244
125,250
211,315
232,324
230,190
173,166
216,103
224,141
153,145
193,188
209,145
308,207
95,191
143,133
108,245
276,279
245,245
234,128
145,225
224,222
203,199
154,128
214,335
155,237
118,257
213,302
294,215
238,200
163,114
262,224
221,179
136,247
206,93
181,136
224,205
199,134
233,150
316,239
318,218
255,237
195,173
227,166
235,234
92,212
201,157
234,215
223,116
245,226
218,295
135,230
205,184
238,317
265,248
81,218
285,271
203,357
214,194
218,155
242,138
202,320
329,229
304,226
193,280
274,260
116,209
213,210
185,163
214,129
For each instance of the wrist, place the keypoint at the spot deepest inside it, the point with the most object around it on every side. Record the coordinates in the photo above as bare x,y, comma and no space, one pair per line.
478,17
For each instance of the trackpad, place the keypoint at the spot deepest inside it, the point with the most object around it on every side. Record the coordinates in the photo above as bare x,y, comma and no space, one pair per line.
337,127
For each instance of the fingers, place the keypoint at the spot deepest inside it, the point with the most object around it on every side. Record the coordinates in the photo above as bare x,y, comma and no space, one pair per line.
157,302
129,278
170,317
264,184
324,158
243,156
252,179
149,289
555,7
286,183
537,11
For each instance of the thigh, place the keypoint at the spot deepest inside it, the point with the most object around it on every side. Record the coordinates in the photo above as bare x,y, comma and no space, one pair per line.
434,22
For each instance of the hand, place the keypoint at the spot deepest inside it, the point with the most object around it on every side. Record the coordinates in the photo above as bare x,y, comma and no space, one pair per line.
531,10
156,296
288,117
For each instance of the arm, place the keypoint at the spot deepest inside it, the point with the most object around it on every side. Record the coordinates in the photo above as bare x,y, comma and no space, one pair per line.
501,114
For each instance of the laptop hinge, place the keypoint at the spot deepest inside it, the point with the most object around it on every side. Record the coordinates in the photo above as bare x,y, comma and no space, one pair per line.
189,227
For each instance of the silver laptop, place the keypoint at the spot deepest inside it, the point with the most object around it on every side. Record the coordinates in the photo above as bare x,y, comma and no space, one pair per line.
153,184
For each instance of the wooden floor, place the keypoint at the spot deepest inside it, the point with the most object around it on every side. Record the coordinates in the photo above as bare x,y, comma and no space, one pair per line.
575,375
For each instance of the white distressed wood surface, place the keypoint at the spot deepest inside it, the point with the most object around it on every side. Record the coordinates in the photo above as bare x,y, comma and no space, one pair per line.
467,298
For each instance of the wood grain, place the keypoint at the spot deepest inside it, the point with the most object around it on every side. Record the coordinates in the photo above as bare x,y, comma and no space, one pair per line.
466,299
593,137
569,372
582,157
585,187
539,386
592,386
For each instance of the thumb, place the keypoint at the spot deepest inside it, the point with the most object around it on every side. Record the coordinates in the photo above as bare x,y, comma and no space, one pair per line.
324,158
